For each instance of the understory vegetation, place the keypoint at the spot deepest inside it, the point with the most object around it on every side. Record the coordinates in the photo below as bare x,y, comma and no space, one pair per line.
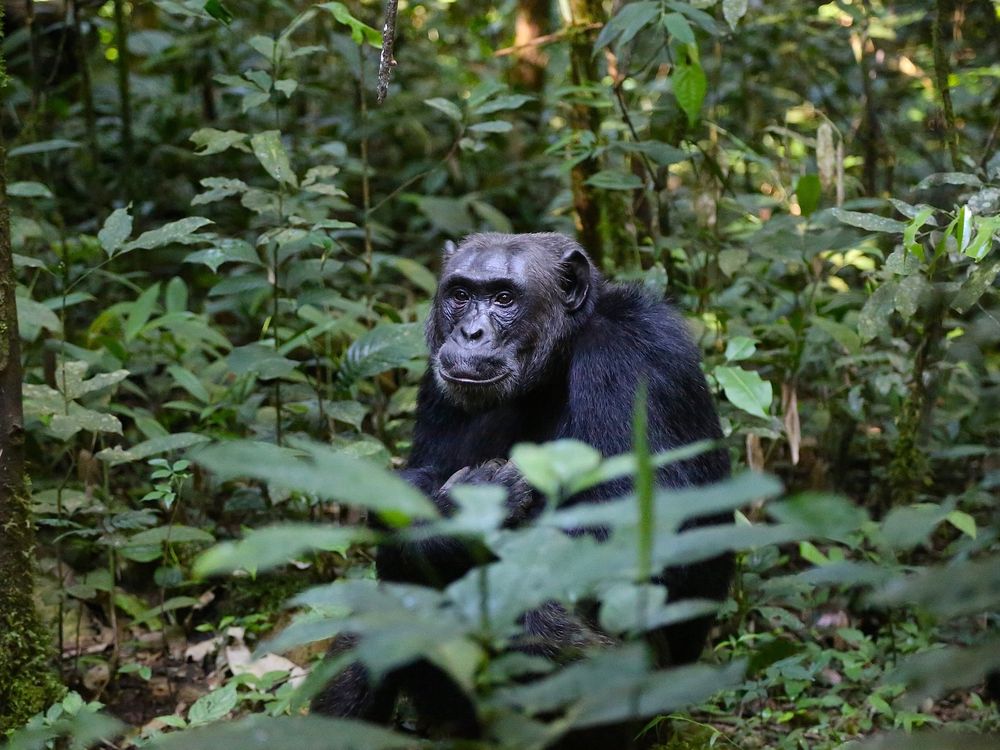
222,249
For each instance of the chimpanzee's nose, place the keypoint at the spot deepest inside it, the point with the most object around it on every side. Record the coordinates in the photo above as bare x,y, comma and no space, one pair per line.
472,332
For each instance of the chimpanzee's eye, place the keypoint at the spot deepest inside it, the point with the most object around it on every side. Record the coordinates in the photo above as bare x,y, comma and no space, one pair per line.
504,299
460,295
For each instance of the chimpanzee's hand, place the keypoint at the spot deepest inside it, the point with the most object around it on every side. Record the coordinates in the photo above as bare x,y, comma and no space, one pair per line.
523,504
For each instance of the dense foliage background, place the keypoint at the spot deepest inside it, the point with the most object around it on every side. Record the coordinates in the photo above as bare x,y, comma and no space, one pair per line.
224,249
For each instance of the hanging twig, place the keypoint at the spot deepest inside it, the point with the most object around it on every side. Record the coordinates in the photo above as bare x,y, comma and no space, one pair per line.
386,60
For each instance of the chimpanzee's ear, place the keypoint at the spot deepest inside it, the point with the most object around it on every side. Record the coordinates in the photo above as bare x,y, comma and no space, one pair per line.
448,251
574,278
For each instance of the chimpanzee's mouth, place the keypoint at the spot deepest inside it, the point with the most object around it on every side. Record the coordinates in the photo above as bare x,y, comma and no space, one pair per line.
464,379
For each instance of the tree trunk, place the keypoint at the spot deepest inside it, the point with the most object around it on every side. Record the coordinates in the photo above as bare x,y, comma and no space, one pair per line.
584,14
530,23
27,684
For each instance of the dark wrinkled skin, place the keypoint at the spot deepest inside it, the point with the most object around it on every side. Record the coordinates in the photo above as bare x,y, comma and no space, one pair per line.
528,343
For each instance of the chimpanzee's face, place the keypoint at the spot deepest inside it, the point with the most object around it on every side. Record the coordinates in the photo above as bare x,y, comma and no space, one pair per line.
500,312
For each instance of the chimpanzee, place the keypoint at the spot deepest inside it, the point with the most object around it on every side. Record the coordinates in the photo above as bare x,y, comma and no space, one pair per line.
528,343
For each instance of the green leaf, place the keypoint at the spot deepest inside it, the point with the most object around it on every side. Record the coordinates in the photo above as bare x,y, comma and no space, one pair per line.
267,548
117,228
740,347
226,251
189,382
745,389
69,379
42,147
963,522
690,87
502,104
949,178
679,28
870,222
321,471
446,107
140,311
361,33
177,534
733,11
874,316
844,335
28,190
212,141
975,286
271,154
260,360
908,294
615,179
808,189
282,733
626,23
64,426
492,126
384,348
33,316
217,10
553,466
181,232
153,447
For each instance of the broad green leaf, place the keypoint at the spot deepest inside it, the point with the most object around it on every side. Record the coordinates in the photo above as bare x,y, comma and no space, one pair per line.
870,222
808,189
416,273
42,147
218,10
690,87
968,587
451,215
180,232
874,316
267,548
64,426
218,188
627,22
70,379
502,104
153,447
33,316
212,141
844,335
321,471
361,33
949,178
552,466
975,286
140,311
660,153
739,348
492,126
615,179
260,360
190,383
679,28
745,389
963,522
28,190
384,348
733,11
271,154
117,228
225,251
446,107
176,534
908,294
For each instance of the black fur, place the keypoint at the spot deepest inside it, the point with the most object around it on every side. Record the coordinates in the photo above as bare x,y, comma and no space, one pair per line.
575,348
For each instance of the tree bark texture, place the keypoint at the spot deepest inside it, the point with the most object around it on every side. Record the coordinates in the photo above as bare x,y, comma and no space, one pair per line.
27,684
583,70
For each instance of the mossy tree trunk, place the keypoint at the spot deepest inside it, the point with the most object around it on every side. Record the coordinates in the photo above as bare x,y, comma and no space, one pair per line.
27,684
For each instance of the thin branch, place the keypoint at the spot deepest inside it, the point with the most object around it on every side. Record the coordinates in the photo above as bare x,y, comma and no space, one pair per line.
386,60
541,41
